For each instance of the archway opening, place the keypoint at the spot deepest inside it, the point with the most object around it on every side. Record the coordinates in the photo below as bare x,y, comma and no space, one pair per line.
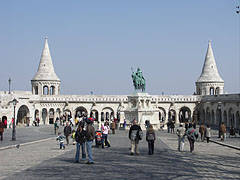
45,90
23,115
184,115
44,115
52,90
51,116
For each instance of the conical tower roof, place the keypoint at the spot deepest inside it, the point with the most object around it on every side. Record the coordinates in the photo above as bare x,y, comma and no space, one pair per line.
45,69
209,70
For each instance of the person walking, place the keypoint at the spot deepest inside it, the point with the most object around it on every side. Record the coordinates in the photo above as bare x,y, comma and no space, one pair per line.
61,138
223,131
208,133
105,131
150,138
113,127
67,132
134,136
90,133
181,136
55,127
172,126
1,129
192,136
80,137
202,131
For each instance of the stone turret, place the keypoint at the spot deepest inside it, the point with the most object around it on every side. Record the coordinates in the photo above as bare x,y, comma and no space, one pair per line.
209,82
45,81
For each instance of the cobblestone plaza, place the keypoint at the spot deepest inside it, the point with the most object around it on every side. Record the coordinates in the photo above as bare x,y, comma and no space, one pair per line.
39,157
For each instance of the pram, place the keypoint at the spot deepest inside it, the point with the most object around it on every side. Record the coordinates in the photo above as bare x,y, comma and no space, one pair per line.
98,138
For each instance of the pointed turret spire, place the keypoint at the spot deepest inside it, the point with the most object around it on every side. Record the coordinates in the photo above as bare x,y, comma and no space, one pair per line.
45,68
209,70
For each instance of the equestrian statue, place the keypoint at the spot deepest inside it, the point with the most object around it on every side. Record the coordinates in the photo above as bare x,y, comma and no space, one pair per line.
138,80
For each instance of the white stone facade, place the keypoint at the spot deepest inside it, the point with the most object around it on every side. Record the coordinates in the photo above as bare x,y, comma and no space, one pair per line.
45,102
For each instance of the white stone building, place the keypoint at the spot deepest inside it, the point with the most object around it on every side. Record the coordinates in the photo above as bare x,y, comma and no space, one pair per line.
208,105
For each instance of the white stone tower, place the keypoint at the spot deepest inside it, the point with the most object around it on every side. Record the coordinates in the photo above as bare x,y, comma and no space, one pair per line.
209,82
45,81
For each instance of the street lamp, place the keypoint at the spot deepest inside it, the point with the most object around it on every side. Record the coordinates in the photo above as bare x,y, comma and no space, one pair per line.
14,101
9,83
220,119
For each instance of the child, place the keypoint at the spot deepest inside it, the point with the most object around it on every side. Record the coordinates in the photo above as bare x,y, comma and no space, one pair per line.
61,138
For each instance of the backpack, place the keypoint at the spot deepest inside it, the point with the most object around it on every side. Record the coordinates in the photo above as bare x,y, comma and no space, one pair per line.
140,135
134,135
150,137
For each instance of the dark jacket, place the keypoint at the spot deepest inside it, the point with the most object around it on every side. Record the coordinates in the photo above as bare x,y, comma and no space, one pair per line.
67,130
90,132
134,127
1,127
80,137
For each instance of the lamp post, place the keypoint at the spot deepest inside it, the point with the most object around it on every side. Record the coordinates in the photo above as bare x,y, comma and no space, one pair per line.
14,101
220,119
9,83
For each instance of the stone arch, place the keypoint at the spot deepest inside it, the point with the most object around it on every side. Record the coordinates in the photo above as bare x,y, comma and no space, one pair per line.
231,117
172,115
94,114
44,115
211,91
102,116
108,113
217,91
35,90
45,90
161,114
52,90
58,113
36,114
51,116
81,111
184,114
23,115
196,116
67,114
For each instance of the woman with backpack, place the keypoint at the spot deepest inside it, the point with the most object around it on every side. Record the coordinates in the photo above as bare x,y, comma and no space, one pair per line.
150,138
192,136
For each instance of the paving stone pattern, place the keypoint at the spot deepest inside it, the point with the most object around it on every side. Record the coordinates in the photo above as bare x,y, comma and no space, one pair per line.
44,160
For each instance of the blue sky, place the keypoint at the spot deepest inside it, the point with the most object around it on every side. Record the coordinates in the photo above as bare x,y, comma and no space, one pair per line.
94,44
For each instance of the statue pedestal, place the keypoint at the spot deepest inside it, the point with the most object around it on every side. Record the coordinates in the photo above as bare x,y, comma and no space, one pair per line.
141,109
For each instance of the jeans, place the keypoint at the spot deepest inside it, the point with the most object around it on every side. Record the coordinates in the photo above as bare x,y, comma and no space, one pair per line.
78,151
191,142
150,147
89,150
62,145
104,139
180,143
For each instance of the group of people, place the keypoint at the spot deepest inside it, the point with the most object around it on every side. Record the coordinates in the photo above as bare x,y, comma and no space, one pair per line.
189,130
84,136
136,134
